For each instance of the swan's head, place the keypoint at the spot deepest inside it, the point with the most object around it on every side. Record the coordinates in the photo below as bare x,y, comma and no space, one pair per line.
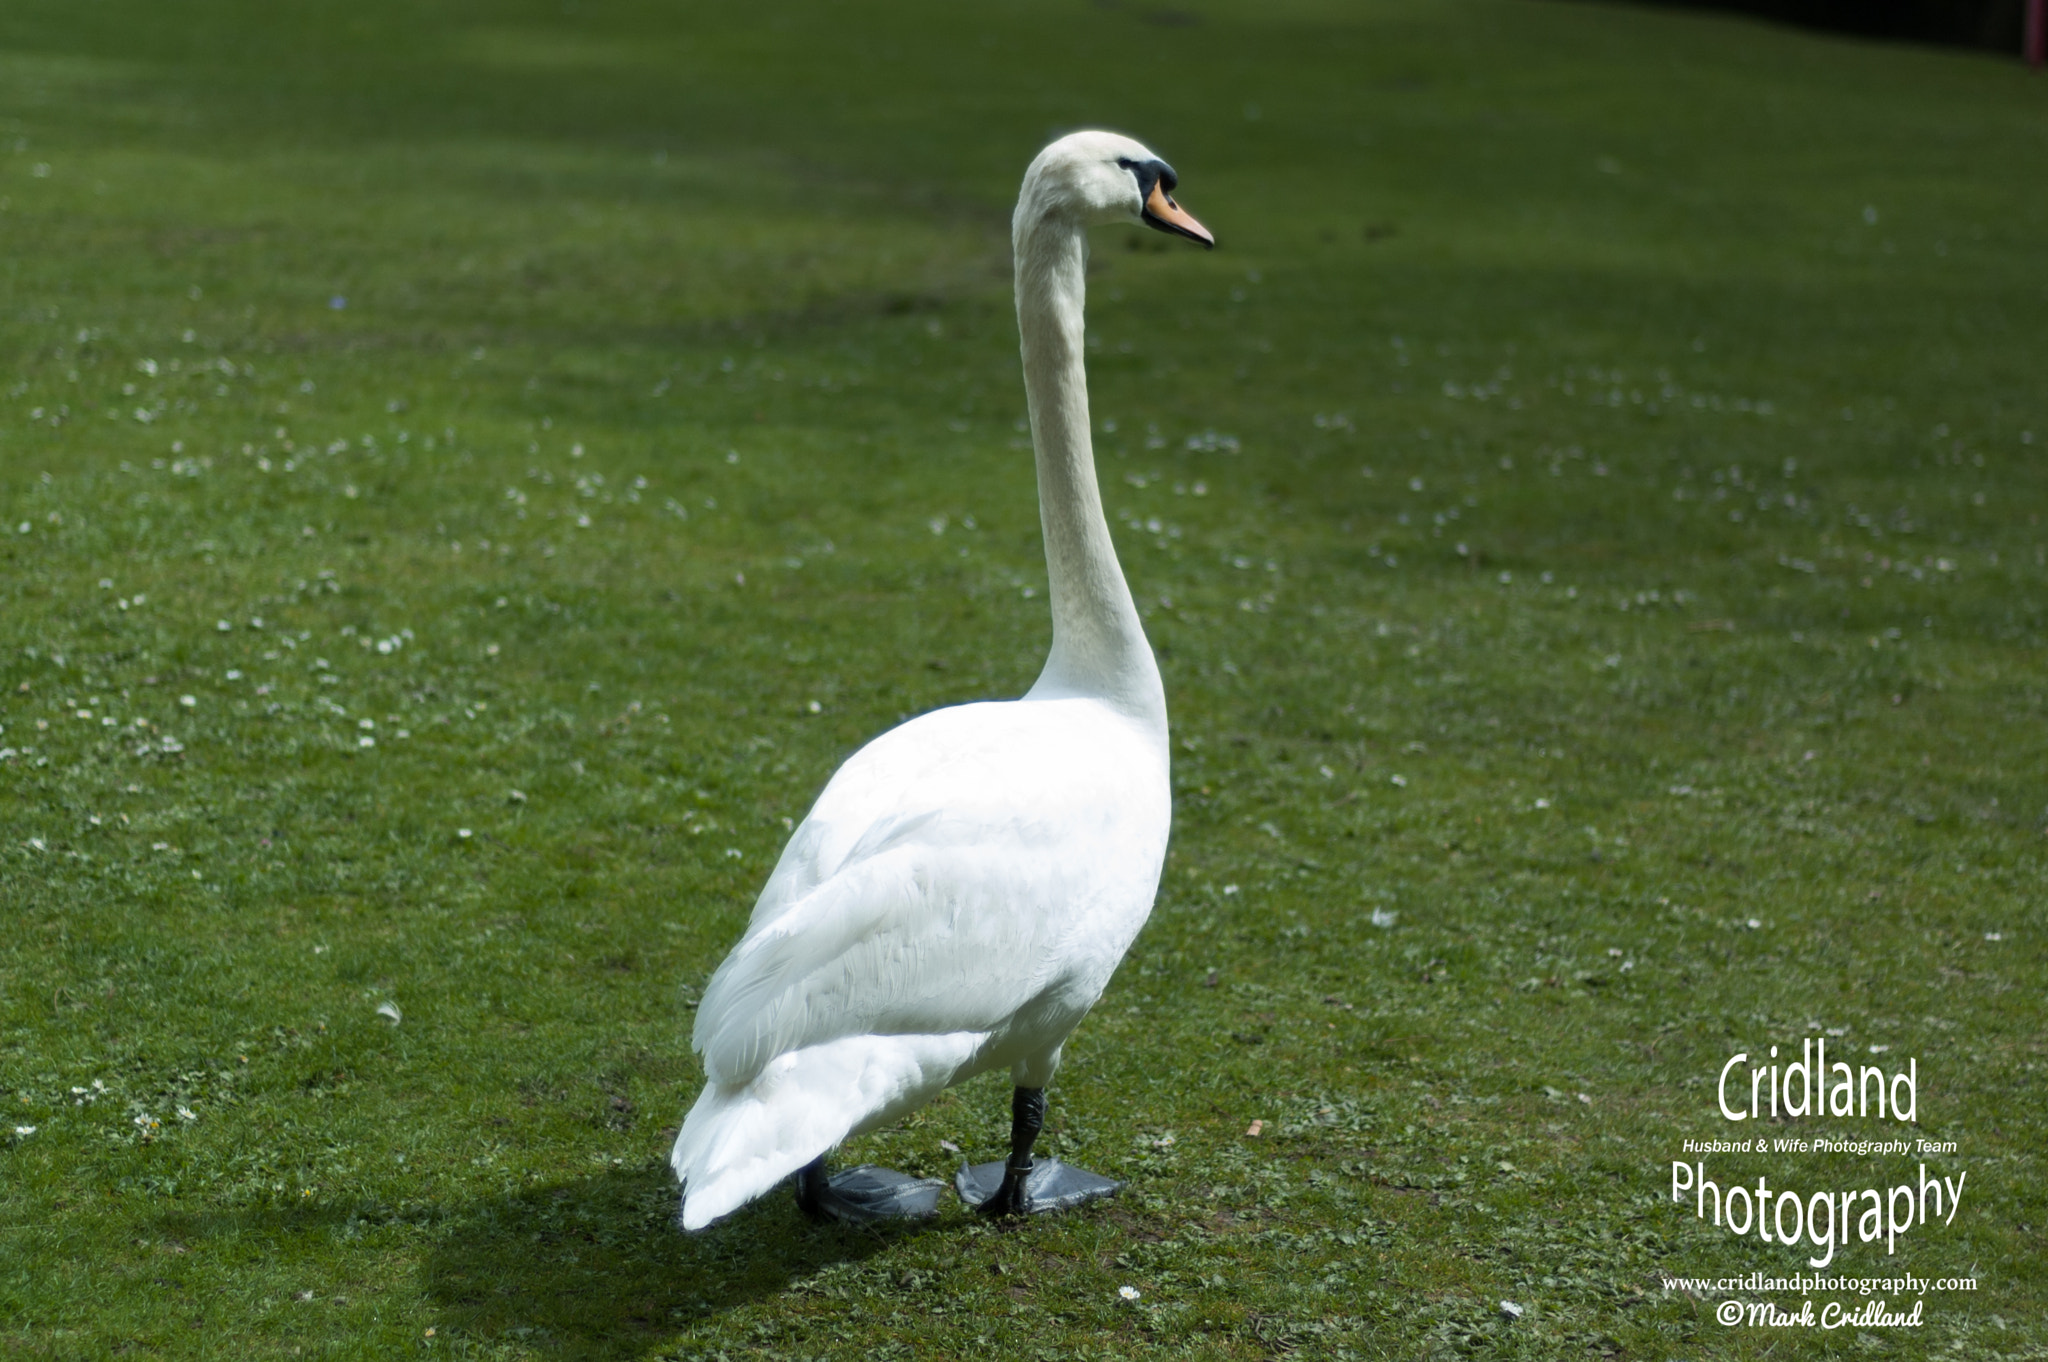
1096,178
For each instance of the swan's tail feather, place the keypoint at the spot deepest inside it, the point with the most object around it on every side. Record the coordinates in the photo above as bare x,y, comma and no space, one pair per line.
741,1139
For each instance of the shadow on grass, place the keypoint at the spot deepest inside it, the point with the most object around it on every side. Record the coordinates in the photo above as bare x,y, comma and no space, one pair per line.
597,1268
589,1270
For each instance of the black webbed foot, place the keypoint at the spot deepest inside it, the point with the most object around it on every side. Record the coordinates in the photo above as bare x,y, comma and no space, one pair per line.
865,1194
996,1189
1023,1186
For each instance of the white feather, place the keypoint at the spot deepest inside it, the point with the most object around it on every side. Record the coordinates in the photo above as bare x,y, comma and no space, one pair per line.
739,1141
957,871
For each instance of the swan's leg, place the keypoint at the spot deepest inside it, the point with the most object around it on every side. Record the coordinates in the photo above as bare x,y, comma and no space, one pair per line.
1025,1186
811,1188
1027,1118
864,1194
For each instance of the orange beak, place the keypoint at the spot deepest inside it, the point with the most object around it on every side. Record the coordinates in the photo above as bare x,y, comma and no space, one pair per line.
1166,215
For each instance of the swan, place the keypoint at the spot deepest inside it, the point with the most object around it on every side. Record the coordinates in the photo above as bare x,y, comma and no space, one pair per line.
960,894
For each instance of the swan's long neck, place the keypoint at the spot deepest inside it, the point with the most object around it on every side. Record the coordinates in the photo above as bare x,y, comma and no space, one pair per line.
1098,642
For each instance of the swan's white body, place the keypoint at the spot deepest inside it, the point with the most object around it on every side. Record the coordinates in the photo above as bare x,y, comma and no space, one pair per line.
967,883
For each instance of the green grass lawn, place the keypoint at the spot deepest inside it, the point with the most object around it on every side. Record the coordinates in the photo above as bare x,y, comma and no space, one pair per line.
469,472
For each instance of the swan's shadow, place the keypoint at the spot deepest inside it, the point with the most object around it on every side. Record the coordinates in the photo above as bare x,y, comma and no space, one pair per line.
596,1268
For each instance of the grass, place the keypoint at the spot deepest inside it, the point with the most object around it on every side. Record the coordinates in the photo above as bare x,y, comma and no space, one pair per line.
1588,512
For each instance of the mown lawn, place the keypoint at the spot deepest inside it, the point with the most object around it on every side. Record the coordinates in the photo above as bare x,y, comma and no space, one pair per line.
470,471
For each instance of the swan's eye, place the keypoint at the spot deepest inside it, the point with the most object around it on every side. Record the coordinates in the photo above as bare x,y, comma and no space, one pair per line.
1149,175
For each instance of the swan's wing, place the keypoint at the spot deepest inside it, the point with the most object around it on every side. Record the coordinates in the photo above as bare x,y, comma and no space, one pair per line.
953,871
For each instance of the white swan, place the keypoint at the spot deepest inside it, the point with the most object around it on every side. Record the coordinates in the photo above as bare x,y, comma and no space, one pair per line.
959,896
